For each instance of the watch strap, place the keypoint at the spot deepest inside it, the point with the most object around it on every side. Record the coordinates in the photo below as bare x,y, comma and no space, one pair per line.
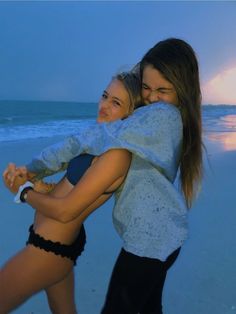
23,194
18,198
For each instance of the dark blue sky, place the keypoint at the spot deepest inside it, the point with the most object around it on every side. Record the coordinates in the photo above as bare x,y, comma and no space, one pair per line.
68,50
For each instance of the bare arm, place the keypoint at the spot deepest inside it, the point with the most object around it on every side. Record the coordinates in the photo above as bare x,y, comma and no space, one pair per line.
95,205
107,171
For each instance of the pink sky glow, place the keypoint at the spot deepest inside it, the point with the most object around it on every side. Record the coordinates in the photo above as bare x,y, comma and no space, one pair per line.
221,89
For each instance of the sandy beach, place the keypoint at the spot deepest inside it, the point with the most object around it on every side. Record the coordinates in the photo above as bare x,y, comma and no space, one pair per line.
202,280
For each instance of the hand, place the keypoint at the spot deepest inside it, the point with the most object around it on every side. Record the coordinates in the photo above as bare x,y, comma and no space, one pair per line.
43,187
14,176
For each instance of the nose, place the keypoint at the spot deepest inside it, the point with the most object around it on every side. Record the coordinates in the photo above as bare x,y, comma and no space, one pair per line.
104,104
153,97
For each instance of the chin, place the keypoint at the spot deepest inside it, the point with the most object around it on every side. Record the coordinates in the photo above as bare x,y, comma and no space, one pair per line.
100,120
146,102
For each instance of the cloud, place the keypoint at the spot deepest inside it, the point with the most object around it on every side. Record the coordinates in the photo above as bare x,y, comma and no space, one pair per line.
221,89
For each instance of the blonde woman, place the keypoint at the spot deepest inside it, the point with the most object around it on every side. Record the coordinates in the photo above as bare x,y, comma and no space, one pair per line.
53,247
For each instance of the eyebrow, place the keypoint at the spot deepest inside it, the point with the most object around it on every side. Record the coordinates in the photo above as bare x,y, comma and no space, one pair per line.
115,98
165,88
159,88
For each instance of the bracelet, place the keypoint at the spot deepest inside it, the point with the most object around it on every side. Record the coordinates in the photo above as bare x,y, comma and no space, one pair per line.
21,195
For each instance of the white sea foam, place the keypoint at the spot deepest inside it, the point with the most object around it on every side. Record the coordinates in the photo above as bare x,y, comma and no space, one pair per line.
32,120
34,131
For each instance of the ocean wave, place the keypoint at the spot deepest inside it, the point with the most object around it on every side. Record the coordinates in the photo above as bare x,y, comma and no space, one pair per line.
34,131
31,121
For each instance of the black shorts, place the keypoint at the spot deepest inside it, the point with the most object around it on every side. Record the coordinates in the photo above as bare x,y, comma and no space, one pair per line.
71,251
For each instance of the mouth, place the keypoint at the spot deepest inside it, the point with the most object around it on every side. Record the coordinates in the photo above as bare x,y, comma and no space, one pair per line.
102,113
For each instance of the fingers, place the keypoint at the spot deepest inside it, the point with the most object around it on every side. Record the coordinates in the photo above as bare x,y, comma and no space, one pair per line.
9,172
30,175
43,187
12,172
12,187
11,168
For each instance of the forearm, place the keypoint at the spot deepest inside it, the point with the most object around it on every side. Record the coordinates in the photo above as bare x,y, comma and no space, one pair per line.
51,207
95,205
57,210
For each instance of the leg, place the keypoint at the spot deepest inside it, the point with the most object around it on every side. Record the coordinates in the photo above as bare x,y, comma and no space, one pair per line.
153,303
134,281
28,272
61,296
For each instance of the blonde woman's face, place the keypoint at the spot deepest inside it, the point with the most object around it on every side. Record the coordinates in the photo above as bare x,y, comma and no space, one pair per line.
156,88
114,103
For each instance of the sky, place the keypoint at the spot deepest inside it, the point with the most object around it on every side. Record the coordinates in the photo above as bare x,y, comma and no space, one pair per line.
69,50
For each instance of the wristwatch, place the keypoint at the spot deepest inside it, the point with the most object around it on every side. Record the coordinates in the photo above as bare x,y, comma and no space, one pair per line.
21,195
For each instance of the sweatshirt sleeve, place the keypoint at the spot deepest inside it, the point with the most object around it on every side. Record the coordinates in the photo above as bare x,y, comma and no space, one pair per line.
153,132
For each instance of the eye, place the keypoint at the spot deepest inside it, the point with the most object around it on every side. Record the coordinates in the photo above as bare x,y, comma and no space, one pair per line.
104,96
162,91
116,103
144,86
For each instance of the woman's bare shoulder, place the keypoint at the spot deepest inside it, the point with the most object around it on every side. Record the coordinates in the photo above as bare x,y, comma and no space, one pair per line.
117,153
119,157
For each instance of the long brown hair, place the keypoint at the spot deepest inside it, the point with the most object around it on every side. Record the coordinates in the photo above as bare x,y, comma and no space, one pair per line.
177,62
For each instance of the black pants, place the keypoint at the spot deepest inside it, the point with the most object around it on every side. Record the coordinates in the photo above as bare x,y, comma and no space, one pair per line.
136,284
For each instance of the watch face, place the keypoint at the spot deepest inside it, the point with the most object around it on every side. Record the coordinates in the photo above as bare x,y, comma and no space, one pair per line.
25,196
24,193
21,195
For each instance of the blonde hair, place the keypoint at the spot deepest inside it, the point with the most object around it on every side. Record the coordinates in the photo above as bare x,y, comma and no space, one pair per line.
132,84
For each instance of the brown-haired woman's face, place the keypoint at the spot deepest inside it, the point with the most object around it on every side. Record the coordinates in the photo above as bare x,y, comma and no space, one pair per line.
114,103
156,88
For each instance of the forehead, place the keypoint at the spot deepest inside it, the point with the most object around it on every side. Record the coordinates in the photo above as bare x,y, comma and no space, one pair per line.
115,84
117,89
154,79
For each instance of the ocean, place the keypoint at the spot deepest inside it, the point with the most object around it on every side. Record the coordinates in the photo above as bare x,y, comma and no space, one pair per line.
22,120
